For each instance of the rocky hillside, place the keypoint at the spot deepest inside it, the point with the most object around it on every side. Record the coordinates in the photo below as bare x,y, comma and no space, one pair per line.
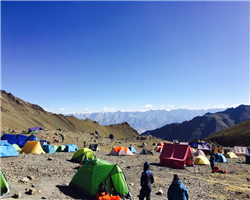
203,126
18,114
238,134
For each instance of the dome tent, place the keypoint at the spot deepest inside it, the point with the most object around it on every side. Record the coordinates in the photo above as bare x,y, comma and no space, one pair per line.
16,147
7,150
121,151
220,158
70,148
33,147
132,149
230,155
48,148
5,187
60,148
199,153
100,171
201,160
83,154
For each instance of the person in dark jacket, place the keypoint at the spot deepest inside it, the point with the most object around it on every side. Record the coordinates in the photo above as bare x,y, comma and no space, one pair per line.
147,178
177,190
212,161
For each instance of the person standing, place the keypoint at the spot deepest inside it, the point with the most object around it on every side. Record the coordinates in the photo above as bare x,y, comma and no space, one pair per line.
177,190
212,161
147,178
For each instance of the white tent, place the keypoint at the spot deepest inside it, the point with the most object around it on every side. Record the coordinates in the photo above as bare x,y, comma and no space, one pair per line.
240,151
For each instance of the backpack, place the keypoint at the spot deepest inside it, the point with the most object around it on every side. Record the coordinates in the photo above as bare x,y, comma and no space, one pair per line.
216,169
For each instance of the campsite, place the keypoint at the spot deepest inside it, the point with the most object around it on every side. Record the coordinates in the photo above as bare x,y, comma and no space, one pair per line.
48,175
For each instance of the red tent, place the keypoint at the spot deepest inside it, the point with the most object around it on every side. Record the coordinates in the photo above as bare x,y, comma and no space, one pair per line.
176,156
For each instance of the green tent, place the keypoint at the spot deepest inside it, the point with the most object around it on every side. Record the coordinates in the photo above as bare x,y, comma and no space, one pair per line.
60,148
144,143
5,188
83,154
16,147
55,147
91,174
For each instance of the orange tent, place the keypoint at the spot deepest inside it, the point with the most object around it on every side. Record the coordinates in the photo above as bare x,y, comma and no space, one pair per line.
160,144
121,151
159,148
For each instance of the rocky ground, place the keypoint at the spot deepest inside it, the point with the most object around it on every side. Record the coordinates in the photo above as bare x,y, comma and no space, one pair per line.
47,176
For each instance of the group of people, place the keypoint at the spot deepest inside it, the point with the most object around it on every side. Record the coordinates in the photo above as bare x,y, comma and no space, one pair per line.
177,190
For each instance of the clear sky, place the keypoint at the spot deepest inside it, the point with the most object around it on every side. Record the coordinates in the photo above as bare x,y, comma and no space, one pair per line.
106,56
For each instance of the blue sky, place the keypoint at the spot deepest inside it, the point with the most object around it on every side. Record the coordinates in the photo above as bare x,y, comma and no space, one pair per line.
106,56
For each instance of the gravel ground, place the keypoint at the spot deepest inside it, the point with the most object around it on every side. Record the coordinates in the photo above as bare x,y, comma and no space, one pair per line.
51,174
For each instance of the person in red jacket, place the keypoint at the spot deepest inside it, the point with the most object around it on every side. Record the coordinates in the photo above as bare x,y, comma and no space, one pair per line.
102,194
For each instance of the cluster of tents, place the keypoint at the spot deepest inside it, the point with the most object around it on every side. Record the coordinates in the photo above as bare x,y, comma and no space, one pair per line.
180,155
13,145
94,171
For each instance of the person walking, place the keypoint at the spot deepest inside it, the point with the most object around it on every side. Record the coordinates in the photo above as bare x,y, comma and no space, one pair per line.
177,190
212,161
147,178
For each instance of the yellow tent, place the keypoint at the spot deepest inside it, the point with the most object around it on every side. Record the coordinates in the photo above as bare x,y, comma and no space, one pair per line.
201,160
230,155
32,147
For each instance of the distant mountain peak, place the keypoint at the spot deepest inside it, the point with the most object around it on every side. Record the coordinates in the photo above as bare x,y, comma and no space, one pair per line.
203,126
145,120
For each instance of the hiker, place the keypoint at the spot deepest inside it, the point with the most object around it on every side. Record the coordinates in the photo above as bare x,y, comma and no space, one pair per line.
212,161
62,137
55,139
177,190
147,178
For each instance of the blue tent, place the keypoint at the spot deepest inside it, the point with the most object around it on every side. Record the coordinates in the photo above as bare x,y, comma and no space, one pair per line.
48,148
70,148
10,138
7,150
220,158
21,140
195,144
132,149
32,138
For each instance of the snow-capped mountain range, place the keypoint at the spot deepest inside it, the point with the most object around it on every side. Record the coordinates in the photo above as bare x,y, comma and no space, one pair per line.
147,120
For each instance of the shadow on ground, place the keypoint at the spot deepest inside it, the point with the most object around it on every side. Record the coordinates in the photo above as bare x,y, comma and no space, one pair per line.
68,191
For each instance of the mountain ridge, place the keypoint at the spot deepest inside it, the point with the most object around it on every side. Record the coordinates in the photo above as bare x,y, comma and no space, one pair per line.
145,120
201,127
19,114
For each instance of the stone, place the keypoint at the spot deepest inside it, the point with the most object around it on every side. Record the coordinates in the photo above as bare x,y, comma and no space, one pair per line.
17,195
32,191
50,158
31,177
160,192
24,180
